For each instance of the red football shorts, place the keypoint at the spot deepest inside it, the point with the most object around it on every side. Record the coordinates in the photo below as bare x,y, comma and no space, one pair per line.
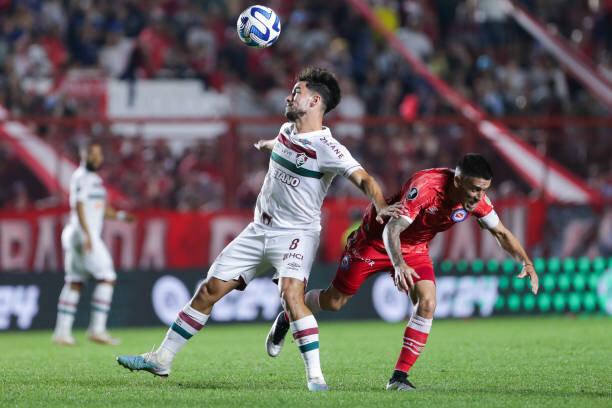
360,260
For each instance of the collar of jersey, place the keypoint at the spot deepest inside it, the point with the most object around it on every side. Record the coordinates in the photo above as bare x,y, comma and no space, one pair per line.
325,129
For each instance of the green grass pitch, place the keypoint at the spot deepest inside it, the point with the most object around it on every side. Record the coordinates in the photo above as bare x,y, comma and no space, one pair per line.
538,362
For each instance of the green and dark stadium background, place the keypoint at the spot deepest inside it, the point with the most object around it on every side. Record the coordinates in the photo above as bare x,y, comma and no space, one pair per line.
465,289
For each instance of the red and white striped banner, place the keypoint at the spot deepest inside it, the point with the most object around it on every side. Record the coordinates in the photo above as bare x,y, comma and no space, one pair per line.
51,167
540,172
571,59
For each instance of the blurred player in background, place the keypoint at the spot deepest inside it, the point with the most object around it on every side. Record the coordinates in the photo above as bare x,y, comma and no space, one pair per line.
431,201
86,254
285,231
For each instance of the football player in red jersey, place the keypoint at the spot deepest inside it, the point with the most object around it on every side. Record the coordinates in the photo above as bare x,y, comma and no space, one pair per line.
431,201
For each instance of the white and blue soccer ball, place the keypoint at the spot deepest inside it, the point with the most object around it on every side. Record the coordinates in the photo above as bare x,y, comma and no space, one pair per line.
258,26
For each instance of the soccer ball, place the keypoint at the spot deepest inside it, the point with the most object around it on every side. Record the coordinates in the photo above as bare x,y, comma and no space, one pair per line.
258,26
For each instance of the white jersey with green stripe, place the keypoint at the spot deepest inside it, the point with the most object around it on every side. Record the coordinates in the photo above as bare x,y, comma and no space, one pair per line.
302,167
86,187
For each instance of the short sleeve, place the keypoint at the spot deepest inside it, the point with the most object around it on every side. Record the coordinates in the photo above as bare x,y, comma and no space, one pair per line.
486,214
333,157
416,196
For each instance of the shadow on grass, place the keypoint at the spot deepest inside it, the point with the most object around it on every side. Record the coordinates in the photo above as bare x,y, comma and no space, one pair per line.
216,384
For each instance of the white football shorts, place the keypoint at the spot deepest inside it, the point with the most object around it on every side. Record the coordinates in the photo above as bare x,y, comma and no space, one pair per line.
290,252
80,265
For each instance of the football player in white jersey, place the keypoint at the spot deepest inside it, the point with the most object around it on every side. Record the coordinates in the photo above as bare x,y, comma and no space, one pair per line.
86,254
285,231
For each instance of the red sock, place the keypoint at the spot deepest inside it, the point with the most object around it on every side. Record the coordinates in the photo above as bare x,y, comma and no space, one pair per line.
415,337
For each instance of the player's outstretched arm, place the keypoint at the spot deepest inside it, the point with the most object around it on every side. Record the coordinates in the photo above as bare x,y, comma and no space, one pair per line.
265,145
372,190
511,245
403,273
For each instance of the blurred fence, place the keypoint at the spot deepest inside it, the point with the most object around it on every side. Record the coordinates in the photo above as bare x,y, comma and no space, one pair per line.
190,163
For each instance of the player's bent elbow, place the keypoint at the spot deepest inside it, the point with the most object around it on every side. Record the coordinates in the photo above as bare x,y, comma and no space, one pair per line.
336,304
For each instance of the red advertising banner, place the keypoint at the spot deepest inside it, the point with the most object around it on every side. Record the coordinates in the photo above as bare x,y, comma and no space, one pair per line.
30,241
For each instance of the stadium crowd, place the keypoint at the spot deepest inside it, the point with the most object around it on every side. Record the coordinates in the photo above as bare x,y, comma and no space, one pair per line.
469,43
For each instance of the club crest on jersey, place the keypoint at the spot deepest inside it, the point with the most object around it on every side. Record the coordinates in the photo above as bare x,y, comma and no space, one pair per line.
345,262
413,193
300,159
460,214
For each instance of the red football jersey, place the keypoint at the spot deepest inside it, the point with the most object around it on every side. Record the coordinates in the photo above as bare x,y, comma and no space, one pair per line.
427,205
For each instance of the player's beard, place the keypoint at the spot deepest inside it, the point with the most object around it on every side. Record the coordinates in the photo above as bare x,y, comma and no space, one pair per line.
293,114
90,167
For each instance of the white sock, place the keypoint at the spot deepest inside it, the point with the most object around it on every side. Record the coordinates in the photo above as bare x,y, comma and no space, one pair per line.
306,334
66,309
312,300
188,322
100,306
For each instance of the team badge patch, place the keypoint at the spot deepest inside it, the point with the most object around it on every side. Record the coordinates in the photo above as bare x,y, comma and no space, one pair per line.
345,262
460,214
413,193
300,159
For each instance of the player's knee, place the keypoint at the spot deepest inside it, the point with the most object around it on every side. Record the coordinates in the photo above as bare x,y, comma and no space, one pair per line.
427,306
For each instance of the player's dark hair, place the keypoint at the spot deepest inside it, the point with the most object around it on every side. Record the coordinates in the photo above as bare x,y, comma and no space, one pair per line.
324,83
475,165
